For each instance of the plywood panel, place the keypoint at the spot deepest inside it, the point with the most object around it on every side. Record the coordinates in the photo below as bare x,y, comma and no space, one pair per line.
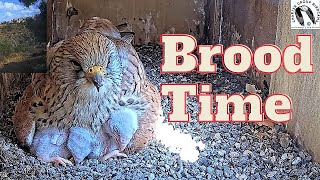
249,22
149,18
304,89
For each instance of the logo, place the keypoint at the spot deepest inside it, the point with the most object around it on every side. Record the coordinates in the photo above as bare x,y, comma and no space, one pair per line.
305,14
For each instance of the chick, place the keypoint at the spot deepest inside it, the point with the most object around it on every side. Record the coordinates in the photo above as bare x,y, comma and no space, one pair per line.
49,145
82,143
121,127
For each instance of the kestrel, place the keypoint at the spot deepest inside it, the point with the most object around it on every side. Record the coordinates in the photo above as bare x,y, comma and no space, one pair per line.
95,101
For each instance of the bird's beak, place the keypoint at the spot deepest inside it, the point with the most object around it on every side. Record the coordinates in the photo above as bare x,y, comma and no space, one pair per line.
95,74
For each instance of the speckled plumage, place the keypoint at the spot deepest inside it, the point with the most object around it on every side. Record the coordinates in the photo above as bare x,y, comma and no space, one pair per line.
89,76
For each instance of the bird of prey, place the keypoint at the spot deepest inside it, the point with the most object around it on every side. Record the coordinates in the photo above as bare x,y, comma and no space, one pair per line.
91,78
308,11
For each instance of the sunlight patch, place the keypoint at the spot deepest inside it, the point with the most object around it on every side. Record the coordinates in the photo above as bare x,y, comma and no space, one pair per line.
179,142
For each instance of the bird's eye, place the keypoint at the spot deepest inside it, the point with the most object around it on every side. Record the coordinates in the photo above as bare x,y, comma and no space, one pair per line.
77,66
75,63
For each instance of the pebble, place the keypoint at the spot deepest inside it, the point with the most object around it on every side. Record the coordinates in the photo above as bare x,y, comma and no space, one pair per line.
234,154
210,170
227,172
217,136
284,156
271,174
151,176
284,140
221,152
296,161
273,159
237,145
243,177
247,152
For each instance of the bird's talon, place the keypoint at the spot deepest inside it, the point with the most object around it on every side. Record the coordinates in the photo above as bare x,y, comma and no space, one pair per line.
113,154
60,161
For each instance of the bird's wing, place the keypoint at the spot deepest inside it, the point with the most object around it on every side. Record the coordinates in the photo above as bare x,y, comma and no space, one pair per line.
105,27
134,73
299,16
135,82
126,32
311,16
124,27
29,109
127,36
147,123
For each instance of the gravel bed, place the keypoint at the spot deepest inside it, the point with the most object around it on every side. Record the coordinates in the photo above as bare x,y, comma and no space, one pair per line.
193,151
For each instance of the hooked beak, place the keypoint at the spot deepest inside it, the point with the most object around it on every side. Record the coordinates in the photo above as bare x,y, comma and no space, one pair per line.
95,74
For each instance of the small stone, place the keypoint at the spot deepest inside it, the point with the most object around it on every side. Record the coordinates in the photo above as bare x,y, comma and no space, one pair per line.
242,177
244,160
290,156
237,145
271,174
149,165
284,156
217,136
227,172
247,152
202,168
219,173
162,169
273,159
198,177
284,140
234,154
210,170
151,176
296,161
101,167
221,152
184,79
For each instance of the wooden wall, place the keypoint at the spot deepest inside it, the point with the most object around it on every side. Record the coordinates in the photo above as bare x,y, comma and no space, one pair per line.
149,18
304,89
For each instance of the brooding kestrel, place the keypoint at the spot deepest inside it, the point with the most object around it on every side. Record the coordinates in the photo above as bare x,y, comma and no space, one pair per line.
95,101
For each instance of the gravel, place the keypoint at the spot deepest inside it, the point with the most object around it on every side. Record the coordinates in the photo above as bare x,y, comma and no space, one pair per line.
212,150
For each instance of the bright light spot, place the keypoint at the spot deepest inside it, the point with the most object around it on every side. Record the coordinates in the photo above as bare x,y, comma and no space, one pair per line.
178,142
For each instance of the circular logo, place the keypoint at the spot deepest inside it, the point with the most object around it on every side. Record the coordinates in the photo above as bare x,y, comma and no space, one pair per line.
305,14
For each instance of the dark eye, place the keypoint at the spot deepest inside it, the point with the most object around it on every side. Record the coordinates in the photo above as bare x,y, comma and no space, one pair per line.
111,58
75,63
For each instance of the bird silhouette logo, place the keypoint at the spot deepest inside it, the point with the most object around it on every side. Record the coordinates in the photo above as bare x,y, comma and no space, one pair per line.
299,15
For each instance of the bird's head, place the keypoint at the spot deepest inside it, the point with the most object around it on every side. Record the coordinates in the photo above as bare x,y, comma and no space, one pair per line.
89,61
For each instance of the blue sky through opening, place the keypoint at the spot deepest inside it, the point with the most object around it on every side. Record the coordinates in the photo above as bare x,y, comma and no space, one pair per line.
13,9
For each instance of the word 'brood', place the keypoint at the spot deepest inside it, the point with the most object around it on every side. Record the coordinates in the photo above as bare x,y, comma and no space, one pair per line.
178,57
